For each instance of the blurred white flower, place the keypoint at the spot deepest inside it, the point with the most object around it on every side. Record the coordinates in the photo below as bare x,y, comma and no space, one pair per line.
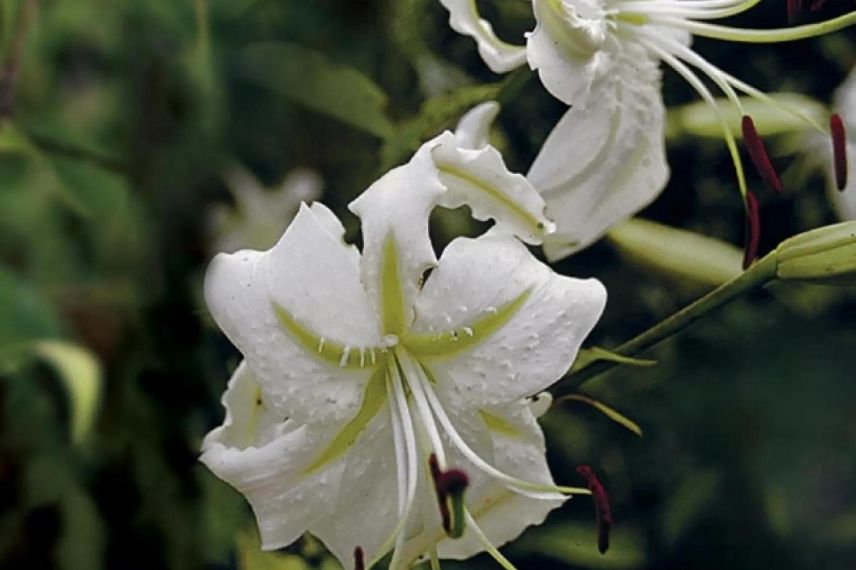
259,214
362,381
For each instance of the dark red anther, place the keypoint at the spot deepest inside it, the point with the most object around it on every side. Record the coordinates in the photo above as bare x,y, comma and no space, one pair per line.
603,514
359,559
753,230
759,156
839,150
794,8
453,481
817,5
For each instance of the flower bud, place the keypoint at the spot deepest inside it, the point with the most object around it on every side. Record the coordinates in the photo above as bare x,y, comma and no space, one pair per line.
825,255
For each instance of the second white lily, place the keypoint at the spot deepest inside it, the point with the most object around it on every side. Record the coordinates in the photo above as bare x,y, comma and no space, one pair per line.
605,160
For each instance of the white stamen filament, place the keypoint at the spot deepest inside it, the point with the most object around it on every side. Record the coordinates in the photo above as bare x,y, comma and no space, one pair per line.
412,465
412,373
520,485
705,94
764,98
685,53
487,544
406,464
429,410
400,449
681,10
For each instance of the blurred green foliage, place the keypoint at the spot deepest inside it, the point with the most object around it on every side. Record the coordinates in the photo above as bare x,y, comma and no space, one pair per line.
124,117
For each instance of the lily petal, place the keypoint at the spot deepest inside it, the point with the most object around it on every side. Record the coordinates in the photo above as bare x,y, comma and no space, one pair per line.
603,163
497,54
565,50
502,514
250,420
394,212
364,510
301,318
845,200
845,101
479,179
496,325
266,462
474,127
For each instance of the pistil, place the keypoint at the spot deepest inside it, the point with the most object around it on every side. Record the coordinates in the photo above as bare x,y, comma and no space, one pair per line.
449,485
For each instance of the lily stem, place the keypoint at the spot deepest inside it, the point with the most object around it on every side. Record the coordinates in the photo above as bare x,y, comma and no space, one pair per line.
753,278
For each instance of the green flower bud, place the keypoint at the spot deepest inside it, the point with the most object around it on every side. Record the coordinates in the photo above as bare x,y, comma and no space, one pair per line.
825,255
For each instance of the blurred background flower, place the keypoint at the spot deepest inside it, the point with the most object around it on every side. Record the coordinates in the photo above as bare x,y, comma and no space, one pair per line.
258,216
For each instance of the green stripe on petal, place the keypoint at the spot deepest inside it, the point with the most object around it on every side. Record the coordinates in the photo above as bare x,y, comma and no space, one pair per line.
499,425
496,194
391,292
373,399
328,351
451,342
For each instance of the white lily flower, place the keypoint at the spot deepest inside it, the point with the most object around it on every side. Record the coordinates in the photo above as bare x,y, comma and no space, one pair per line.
259,213
605,159
357,371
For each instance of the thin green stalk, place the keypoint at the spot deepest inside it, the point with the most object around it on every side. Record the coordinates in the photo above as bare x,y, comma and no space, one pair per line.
755,277
718,32
435,560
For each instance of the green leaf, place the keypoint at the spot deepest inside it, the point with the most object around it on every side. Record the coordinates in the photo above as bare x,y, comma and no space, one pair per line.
13,141
576,544
676,252
309,78
251,557
80,373
24,315
588,355
88,189
687,502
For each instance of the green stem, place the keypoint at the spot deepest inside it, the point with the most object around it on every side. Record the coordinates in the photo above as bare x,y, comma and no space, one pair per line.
764,36
9,75
435,560
513,84
756,276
